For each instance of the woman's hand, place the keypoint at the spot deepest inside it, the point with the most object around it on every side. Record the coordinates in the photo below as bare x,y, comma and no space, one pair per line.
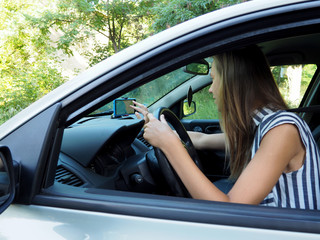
155,132
140,108
158,133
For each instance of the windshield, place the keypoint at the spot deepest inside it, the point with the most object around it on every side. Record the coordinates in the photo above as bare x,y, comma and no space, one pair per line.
151,92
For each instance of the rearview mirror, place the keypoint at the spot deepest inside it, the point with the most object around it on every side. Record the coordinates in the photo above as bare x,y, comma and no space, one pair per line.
200,67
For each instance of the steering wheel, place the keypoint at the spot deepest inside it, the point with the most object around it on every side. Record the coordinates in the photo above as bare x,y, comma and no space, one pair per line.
173,180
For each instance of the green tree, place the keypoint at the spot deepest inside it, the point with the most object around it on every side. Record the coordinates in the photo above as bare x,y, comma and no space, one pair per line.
99,28
29,58
106,26
172,12
27,68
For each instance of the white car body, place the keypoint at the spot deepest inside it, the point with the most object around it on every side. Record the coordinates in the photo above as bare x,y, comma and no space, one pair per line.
36,222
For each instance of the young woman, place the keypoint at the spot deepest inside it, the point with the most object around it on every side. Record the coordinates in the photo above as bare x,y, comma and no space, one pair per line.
274,160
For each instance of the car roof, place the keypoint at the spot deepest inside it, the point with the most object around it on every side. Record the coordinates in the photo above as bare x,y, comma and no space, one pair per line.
137,50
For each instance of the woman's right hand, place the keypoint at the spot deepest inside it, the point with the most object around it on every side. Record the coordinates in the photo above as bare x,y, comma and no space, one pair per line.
156,132
140,108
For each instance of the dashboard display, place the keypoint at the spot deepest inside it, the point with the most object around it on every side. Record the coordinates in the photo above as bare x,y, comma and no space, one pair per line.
121,107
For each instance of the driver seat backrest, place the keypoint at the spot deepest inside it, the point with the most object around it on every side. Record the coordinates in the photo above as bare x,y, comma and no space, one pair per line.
310,109
316,135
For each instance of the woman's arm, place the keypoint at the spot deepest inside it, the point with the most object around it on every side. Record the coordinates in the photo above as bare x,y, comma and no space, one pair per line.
280,147
203,141
200,141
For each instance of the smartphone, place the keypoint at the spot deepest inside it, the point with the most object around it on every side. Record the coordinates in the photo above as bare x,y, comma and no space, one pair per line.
121,107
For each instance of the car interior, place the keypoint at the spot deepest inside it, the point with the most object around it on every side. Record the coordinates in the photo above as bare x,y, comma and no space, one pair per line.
105,149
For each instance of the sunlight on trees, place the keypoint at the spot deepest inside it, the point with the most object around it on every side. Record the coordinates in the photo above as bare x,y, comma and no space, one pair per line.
293,81
97,29
38,37
172,12
27,69
45,42
294,74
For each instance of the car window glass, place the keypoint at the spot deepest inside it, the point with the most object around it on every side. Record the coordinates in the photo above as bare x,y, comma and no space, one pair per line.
152,91
292,80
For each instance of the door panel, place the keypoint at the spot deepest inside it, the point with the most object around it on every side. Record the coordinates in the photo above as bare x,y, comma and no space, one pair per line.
200,125
38,222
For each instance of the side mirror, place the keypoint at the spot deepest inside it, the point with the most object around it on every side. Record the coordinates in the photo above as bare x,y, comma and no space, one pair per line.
7,180
200,67
189,110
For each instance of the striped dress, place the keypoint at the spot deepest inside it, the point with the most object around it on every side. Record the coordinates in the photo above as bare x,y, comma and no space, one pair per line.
298,189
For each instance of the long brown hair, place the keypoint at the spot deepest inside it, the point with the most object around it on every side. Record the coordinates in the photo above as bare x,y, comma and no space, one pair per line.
246,84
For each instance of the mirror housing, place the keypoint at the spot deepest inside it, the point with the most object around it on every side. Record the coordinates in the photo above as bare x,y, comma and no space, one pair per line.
200,67
189,109
7,179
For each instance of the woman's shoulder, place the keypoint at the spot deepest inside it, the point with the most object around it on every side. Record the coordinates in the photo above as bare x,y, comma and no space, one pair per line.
281,117
284,117
267,114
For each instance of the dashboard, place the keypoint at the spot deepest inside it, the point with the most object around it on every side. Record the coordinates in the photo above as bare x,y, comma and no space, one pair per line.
95,152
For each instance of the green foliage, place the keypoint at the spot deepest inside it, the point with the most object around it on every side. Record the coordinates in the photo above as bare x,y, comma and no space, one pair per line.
172,12
29,64
27,70
97,28
281,78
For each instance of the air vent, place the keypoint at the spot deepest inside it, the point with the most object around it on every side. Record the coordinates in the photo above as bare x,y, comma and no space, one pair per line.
141,138
66,177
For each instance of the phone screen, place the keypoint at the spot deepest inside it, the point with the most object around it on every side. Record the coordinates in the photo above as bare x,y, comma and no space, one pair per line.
122,107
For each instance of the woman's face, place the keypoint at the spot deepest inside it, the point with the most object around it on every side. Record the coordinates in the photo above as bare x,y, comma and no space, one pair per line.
216,81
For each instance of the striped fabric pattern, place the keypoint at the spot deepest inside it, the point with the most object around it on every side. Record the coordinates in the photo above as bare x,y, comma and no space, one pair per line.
298,189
